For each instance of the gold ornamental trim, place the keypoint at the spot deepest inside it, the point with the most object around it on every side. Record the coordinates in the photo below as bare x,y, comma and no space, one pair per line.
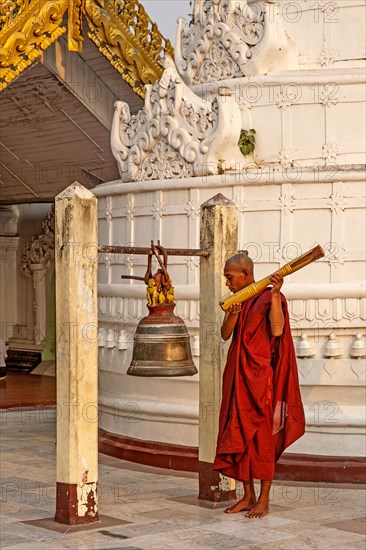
121,30
9,10
75,25
129,39
27,28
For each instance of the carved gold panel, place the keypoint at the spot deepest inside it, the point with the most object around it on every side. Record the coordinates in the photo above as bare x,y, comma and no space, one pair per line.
121,29
27,28
126,36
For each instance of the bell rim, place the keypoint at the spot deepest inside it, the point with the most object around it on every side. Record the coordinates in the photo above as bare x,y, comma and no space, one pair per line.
158,370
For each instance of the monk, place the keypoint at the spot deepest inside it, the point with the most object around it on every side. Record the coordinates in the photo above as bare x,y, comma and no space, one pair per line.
261,411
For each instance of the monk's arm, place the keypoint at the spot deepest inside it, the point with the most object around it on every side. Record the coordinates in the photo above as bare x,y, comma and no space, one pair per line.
228,325
276,316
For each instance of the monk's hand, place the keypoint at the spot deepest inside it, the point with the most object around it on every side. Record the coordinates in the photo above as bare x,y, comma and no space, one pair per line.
276,281
234,309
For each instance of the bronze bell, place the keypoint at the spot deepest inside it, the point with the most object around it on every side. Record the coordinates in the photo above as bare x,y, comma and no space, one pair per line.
161,345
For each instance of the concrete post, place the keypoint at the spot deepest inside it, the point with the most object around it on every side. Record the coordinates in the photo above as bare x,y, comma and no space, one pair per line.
8,284
219,235
39,302
76,355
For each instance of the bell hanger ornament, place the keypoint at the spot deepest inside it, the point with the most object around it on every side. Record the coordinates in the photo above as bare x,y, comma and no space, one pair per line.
304,347
161,345
332,347
358,348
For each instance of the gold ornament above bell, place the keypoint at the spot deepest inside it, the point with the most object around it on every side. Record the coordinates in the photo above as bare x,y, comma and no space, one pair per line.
161,345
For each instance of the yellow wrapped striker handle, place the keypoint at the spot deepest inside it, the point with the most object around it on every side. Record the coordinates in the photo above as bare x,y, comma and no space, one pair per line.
296,264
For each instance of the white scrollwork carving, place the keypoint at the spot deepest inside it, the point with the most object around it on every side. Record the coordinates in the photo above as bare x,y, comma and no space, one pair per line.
337,202
327,95
330,151
327,57
108,214
157,210
40,250
192,263
130,211
192,209
286,157
230,39
164,163
130,261
288,203
177,134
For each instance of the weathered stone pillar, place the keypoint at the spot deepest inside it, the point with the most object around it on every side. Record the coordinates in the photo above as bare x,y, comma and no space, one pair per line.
76,355
219,235
39,301
8,285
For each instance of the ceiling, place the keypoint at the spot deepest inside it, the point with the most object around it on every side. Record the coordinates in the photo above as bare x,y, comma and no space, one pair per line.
50,135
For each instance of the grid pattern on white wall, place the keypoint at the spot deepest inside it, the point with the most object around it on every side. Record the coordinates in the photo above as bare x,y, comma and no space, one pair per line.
276,223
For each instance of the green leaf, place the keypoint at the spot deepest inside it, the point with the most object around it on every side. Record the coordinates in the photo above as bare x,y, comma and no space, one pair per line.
247,141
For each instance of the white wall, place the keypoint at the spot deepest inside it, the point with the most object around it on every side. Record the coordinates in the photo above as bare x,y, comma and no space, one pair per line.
278,221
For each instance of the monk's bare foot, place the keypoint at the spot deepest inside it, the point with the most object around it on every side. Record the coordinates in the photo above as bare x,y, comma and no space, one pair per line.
260,510
246,503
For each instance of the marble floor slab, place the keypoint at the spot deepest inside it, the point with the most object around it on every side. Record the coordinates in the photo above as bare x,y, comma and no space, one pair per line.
352,526
157,508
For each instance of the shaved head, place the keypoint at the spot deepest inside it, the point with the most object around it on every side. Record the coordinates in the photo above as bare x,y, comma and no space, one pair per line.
238,271
241,261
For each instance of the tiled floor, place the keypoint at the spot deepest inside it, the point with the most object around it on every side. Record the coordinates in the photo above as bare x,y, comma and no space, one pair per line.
159,507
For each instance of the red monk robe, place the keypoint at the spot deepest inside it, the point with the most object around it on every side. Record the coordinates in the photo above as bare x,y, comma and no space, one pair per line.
261,410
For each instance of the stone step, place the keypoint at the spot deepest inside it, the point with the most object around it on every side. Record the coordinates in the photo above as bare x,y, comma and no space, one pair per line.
23,360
